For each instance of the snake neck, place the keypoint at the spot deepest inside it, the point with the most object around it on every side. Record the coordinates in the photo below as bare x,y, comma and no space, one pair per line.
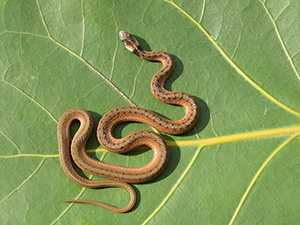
158,80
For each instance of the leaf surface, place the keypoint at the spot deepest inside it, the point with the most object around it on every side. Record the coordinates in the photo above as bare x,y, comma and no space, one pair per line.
240,164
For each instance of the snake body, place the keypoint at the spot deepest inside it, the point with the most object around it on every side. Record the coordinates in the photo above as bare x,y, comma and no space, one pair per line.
120,176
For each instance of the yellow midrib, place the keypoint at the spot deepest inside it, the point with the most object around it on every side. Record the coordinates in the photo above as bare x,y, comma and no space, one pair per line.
202,142
237,137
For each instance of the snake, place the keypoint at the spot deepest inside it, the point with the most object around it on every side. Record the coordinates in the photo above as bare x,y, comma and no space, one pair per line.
121,176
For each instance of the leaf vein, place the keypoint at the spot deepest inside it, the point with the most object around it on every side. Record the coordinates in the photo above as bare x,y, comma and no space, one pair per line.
23,32
28,155
43,18
4,7
238,42
116,48
202,11
135,79
83,29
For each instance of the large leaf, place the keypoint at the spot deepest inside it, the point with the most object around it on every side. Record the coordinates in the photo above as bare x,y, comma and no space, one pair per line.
240,164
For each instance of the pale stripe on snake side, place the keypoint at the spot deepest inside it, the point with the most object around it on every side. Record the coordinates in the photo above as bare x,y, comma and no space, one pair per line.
119,174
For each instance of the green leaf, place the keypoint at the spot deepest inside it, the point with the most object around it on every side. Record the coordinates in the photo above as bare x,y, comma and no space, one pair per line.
240,164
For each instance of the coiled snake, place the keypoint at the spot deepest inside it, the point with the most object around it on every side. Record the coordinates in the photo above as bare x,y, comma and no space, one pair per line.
120,176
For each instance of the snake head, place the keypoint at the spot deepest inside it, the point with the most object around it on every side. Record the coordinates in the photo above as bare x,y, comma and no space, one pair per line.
130,42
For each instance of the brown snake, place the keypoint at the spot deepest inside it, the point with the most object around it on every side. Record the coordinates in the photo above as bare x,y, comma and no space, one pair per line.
120,176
